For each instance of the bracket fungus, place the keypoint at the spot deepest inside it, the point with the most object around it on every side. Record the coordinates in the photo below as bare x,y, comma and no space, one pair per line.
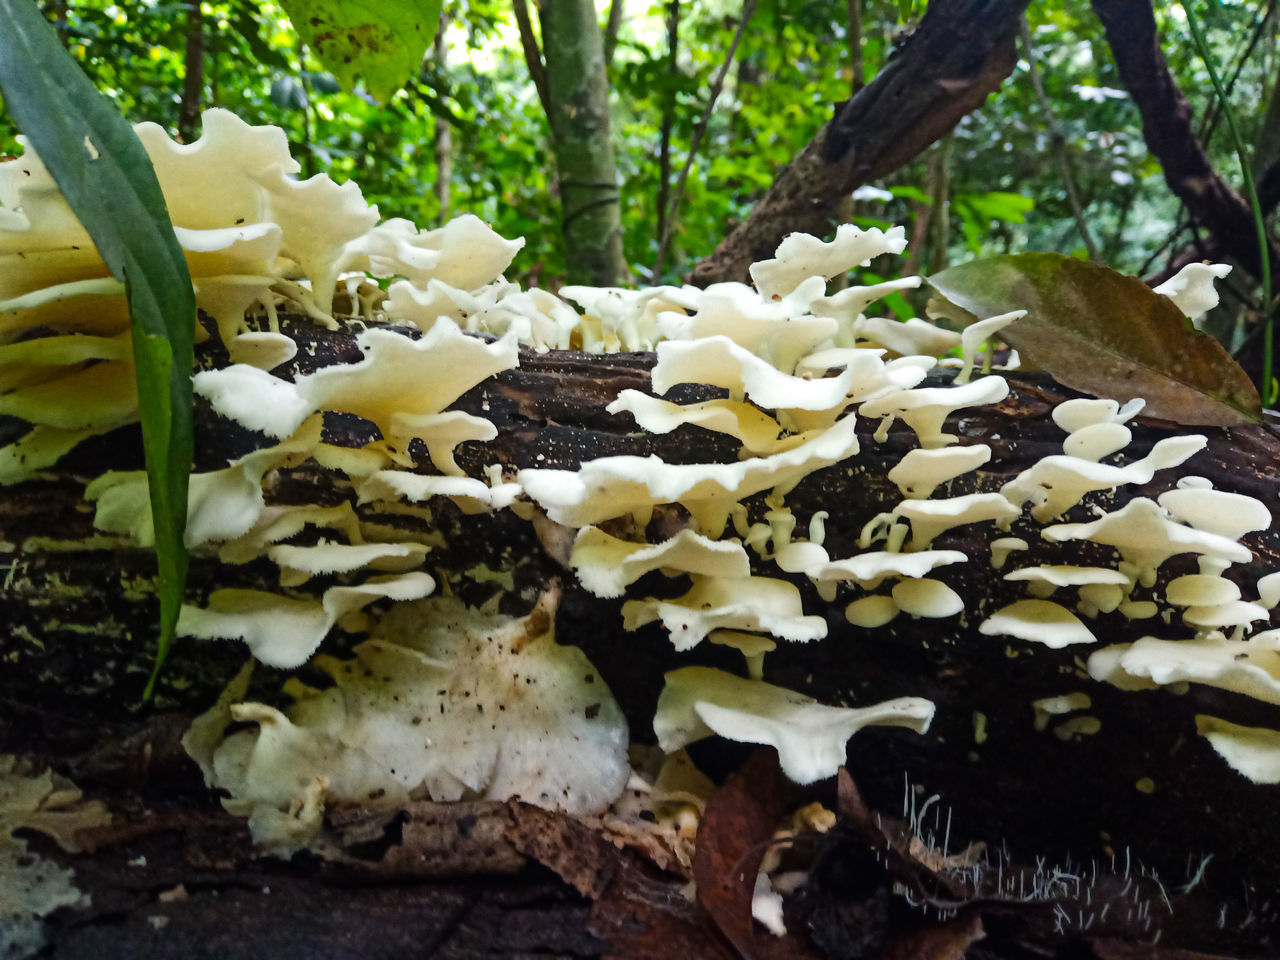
442,698
810,737
460,702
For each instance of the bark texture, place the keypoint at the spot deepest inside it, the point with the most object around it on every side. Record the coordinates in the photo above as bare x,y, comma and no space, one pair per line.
577,105
76,654
959,54
1167,128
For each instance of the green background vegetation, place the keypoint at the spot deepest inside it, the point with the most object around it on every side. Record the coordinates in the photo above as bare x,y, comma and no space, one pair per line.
792,65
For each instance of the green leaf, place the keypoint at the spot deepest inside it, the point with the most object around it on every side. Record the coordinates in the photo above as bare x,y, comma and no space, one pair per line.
998,205
382,40
107,177
1098,331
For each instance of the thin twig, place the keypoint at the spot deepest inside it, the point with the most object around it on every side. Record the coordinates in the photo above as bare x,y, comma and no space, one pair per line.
532,55
1059,141
611,28
748,8
1266,389
668,116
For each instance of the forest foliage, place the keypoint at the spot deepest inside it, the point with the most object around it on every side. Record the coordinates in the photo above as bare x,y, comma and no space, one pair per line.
794,62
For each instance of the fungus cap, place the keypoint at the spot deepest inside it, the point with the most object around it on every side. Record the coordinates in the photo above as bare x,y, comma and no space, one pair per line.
924,409
756,604
1146,537
1191,289
801,256
926,598
920,472
1199,590
1045,579
606,564
1239,666
1251,751
810,737
1040,621
1230,515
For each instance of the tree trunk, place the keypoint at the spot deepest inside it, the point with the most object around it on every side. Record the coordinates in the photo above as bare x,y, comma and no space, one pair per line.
960,53
193,74
578,110
443,145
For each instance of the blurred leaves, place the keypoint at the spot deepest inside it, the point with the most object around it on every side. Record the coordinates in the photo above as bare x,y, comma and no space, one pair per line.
791,68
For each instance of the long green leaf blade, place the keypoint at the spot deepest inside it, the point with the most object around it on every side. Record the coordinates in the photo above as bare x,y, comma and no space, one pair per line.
1098,331
107,177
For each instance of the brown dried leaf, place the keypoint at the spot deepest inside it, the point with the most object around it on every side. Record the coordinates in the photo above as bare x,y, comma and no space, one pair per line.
740,819
947,941
578,854
1098,331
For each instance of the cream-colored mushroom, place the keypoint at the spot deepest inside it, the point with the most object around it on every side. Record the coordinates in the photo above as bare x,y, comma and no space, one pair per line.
1146,537
1269,590
925,409
1198,590
810,737
926,598
752,646
801,256
913,337
920,472
1240,666
753,604
976,334
1191,289
1057,483
1082,412
1230,515
1040,621
1097,440
931,518
720,362
1001,547
871,612
1252,751
621,486
1044,580
1049,707
606,564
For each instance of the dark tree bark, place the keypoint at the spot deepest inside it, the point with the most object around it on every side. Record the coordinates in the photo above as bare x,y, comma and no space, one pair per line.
193,75
960,53
76,656
1167,128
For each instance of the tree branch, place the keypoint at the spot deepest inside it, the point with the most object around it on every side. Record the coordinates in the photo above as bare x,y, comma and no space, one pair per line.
611,28
532,55
193,73
1166,126
960,53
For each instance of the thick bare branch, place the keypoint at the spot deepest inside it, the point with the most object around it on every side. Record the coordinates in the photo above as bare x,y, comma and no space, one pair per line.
960,53
1167,128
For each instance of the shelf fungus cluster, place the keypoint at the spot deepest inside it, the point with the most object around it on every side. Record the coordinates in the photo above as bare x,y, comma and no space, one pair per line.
448,701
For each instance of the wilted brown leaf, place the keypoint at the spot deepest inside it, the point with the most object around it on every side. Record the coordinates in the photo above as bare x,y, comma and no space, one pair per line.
1107,334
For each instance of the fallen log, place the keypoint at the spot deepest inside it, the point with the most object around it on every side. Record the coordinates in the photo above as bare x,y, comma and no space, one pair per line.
1136,785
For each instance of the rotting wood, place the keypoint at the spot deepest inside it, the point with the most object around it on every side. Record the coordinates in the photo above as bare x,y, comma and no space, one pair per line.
76,656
